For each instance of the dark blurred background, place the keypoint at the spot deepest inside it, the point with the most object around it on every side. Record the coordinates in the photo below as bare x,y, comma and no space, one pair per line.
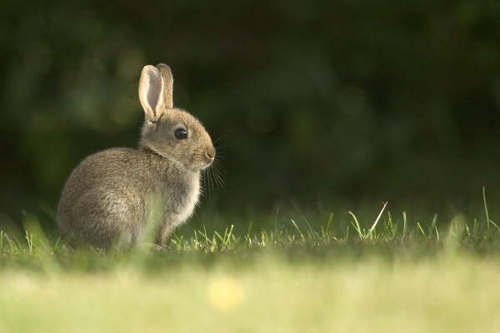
326,101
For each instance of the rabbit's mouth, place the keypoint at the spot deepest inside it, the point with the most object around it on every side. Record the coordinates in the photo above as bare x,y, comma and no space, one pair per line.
193,167
207,165
198,163
207,159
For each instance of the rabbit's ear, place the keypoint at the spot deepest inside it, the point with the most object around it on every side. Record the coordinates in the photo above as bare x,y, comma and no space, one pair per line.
168,88
151,91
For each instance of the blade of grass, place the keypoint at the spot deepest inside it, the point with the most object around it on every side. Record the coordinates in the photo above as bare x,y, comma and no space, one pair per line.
356,225
495,225
377,219
434,226
419,227
229,234
404,224
325,230
298,229
390,225
486,209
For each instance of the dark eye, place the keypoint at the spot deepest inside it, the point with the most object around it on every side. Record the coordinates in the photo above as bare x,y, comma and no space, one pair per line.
181,133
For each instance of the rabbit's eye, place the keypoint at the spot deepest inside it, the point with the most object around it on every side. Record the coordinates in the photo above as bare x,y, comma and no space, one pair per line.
181,133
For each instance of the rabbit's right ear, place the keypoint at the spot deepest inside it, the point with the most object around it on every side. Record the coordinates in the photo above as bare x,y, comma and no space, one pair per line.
151,92
168,81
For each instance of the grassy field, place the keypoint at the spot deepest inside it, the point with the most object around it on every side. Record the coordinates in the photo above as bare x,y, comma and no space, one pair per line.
290,274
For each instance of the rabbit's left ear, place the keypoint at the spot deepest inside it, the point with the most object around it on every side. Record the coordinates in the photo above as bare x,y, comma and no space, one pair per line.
151,92
168,85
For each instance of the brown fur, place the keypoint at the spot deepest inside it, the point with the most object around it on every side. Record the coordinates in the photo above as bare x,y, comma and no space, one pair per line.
118,194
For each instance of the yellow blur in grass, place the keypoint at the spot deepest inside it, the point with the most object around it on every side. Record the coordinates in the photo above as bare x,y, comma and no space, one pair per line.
225,293
442,294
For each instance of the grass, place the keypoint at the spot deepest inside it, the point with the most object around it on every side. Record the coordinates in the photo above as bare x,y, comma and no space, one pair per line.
291,273
442,295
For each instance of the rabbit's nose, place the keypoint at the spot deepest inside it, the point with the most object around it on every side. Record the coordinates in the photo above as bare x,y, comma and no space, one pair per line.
210,154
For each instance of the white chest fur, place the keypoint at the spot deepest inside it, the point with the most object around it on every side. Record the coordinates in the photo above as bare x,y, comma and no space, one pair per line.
186,204
186,210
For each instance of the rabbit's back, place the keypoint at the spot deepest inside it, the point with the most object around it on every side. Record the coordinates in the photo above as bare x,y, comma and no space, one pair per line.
104,197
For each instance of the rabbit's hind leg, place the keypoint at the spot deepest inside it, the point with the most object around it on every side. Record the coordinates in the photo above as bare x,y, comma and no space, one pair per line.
105,218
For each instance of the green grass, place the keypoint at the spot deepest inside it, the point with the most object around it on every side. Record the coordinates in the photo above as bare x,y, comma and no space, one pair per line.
439,295
286,273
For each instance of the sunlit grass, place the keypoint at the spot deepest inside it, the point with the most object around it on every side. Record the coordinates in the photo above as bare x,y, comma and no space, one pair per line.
297,237
442,294
297,273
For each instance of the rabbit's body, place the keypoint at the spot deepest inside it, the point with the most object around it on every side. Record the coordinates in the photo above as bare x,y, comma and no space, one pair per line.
120,193
135,190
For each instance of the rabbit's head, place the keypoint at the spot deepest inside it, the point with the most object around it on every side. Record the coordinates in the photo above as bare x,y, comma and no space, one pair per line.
170,132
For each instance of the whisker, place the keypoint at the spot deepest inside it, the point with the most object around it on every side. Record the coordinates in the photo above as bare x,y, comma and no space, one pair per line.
217,174
210,181
220,181
212,177
220,150
207,182
203,187
218,139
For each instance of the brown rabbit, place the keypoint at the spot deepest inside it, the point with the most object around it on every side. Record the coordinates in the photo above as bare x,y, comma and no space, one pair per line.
116,195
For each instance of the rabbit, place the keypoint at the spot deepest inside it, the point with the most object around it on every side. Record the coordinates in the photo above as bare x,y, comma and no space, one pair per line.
115,196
